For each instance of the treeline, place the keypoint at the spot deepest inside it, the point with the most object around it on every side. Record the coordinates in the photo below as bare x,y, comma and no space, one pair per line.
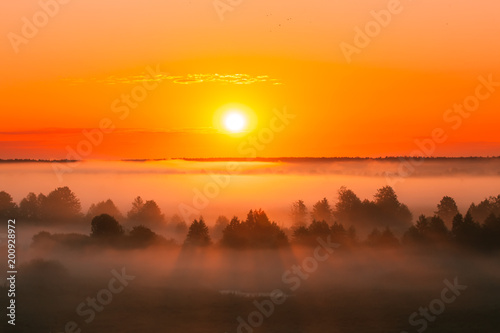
384,210
384,216
28,160
106,231
62,207
479,229
257,231
330,159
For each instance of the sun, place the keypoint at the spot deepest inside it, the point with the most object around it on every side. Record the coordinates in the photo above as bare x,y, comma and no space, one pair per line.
235,121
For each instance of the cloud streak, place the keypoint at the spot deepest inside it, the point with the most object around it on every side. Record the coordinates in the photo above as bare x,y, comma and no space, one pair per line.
237,79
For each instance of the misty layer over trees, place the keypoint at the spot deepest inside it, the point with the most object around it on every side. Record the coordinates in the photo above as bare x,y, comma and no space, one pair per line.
383,221
344,266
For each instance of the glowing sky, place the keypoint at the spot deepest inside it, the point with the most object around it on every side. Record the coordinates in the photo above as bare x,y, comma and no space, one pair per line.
73,73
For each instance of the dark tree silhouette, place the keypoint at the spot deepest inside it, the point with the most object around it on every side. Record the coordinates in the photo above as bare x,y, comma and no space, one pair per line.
447,209
465,231
349,208
178,226
60,205
486,207
322,211
105,226
263,232
106,231
151,212
491,232
232,235
427,231
141,236
385,239
137,206
30,208
339,234
389,210
309,235
438,231
415,234
198,234
301,235
257,231
145,212
61,242
388,239
104,207
220,224
386,196
41,237
319,229
8,207
299,214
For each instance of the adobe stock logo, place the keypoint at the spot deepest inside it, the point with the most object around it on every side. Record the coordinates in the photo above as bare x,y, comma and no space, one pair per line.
31,27
88,309
223,6
437,306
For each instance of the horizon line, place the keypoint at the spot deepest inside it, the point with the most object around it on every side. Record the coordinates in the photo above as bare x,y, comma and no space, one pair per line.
278,158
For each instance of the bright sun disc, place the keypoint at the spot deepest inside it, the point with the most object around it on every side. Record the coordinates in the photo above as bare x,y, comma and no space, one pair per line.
235,122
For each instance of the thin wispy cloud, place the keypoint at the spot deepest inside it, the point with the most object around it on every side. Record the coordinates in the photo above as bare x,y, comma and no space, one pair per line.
238,79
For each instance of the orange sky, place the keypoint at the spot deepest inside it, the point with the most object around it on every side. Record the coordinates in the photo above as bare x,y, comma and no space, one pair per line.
62,78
